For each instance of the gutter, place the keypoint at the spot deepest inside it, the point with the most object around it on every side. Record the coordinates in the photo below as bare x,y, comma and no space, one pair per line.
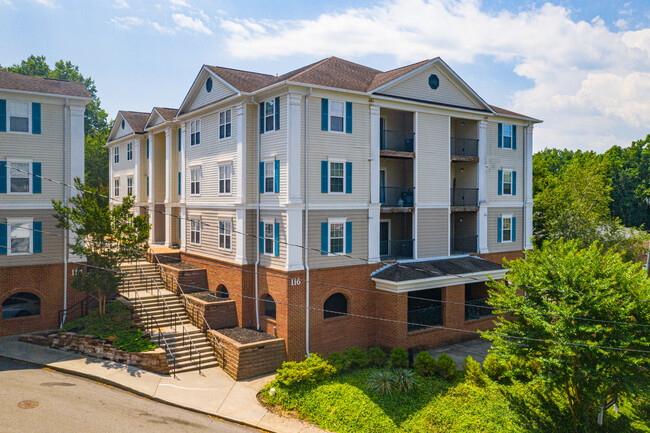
66,108
259,235
306,234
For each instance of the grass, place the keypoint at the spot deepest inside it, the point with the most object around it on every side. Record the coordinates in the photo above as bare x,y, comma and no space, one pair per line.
345,404
116,326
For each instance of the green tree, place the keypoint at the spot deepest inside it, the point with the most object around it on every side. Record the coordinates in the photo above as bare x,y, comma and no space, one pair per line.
97,157
568,282
104,236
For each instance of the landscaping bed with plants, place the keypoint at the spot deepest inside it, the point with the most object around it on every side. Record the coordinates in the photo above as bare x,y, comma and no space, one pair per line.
245,335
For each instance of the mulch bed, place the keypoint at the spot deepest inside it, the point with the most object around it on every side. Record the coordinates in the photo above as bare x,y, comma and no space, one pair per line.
245,335
207,296
181,266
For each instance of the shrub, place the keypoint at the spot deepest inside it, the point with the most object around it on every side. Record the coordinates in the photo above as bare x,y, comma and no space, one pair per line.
377,357
495,367
311,370
521,369
338,361
381,382
358,358
399,358
473,372
425,364
404,379
446,366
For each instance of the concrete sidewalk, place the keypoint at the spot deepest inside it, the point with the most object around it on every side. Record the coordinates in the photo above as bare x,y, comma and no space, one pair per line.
213,392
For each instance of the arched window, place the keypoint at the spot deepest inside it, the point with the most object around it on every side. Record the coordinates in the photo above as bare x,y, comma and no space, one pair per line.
336,305
21,304
269,306
222,292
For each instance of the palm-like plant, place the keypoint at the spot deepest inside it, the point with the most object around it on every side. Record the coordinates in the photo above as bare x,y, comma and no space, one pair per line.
382,382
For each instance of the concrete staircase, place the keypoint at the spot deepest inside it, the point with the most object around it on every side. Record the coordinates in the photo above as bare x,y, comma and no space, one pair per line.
169,318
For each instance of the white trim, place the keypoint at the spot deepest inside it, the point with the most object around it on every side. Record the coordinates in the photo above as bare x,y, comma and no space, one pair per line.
272,161
219,221
199,231
329,174
127,151
29,117
17,221
30,177
503,181
390,228
117,184
197,129
437,282
129,178
267,131
329,116
335,220
200,181
219,124
193,87
503,218
271,222
224,164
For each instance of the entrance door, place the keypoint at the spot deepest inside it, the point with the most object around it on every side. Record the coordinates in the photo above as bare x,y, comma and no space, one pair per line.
382,186
384,238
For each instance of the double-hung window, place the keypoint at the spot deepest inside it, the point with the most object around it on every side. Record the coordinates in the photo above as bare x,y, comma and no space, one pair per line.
18,116
225,234
337,175
225,124
195,132
129,185
506,229
507,182
195,180
116,154
129,151
225,178
507,136
269,176
269,115
337,116
195,231
116,187
20,180
269,237
20,236
337,237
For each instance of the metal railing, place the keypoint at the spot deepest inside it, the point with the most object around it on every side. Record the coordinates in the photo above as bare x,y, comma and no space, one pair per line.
79,309
396,196
477,308
396,249
400,141
422,318
464,244
464,196
464,147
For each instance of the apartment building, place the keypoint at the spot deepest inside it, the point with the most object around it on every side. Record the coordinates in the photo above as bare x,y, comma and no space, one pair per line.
337,204
41,148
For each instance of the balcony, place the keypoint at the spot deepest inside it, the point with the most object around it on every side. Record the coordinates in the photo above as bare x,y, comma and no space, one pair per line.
423,318
477,308
464,149
464,244
396,249
396,197
464,197
394,142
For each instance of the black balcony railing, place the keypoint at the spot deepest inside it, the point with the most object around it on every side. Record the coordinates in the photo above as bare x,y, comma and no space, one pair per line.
477,308
401,141
398,249
464,147
396,196
423,318
464,244
464,197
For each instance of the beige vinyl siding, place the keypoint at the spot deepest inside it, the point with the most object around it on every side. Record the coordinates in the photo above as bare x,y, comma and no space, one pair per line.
328,145
432,232
144,168
219,92
359,220
273,145
122,170
493,214
417,87
432,150
176,156
122,132
271,260
159,155
210,233
252,167
508,159
46,148
52,238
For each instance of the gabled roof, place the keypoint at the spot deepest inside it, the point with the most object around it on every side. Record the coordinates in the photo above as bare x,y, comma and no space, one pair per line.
166,114
436,268
385,77
504,112
135,119
244,81
25,83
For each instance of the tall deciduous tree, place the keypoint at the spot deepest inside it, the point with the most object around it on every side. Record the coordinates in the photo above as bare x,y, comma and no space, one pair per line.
105,236
568,283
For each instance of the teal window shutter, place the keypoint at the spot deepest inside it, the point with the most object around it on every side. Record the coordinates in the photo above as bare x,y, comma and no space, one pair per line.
514,137
277,175
513,229
324,114
348,117
261,177
500,135
3,117
36,177
499,225
36,118
276,235
500,183
348,237
324,177
37,228
147,148
277,113
179,228
179,183
147,186
3,239
514,183
179,139
323,238
262,118
261,236
348,178
3,177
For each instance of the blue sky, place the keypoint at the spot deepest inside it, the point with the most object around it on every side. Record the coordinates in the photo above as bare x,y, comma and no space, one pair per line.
581,66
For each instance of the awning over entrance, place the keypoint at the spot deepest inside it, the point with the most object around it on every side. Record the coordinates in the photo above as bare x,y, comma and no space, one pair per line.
418,275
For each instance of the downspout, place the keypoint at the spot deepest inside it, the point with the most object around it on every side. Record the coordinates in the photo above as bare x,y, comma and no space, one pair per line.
259,197
306,249
65,203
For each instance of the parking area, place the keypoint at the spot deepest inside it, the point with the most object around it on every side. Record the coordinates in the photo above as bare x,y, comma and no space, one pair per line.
477,349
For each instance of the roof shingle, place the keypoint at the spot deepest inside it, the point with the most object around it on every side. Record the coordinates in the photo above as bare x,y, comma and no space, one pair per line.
436,268
11,81
136,119
167,114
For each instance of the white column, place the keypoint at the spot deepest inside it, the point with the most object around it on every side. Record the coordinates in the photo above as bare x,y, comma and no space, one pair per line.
374,217
528,204
182,165
111,161
374,157
240,236
169,178
482,187
137,196
240,162
152,187
168,225
184,228
76,145
294,178
294,237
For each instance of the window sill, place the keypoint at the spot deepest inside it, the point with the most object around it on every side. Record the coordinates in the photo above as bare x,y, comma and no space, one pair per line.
34,316
425,330
480,319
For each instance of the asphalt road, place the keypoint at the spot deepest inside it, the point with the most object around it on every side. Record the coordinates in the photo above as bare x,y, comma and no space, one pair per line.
73,404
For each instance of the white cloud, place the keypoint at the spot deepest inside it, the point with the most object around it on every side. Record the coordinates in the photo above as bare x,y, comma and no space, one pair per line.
590,84
162,29
127,23
121,4
48,3
192,24
6,3
181,3
621,23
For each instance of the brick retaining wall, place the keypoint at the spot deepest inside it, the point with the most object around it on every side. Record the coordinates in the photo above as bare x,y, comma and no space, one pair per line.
191,280
218,314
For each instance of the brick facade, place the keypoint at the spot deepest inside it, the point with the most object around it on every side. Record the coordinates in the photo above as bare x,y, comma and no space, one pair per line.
218,314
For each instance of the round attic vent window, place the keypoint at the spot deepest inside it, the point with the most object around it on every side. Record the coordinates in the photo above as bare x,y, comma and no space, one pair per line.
434,82
208,84
123,123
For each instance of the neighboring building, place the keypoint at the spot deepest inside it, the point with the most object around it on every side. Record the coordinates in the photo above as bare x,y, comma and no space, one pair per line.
41,134
360,167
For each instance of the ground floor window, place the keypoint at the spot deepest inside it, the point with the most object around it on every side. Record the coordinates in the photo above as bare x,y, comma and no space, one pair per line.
476,295
269,306
222,292
195,231
425,309
21,304
336,305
